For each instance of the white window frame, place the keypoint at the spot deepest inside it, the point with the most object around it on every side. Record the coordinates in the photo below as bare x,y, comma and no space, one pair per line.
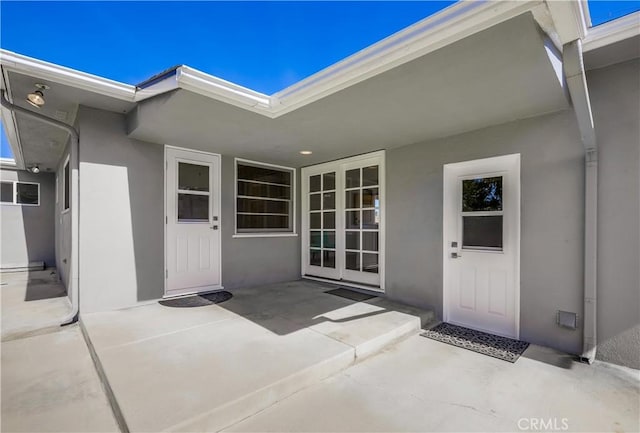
263,233
64,185
15,193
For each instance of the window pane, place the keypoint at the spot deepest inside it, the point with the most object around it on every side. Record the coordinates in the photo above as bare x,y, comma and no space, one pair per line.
329,200
193,177
352,199
314,201
264,174
370,198
314,183
352,178
261,190
329,181
352,260
263,206
352,240
329,220
315,257
329,258
256,222
27,193
315,239
370,241
370,263
352,219
66,189
483,194
315,219
329,240
370,176
193,207
482,232
370,219
6,192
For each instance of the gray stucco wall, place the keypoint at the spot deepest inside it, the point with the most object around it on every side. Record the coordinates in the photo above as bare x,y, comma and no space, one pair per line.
552,207
615,98
122,228
27,232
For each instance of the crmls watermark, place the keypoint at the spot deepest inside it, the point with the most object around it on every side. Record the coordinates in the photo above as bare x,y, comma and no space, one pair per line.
543,424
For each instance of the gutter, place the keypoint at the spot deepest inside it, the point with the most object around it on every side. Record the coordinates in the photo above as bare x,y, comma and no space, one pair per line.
577,84
72,317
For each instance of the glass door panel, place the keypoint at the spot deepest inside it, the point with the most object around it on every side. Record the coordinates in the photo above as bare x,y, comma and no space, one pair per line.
322,224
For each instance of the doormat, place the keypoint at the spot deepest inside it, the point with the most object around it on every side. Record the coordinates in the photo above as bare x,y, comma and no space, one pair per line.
503,348
350,294
197,300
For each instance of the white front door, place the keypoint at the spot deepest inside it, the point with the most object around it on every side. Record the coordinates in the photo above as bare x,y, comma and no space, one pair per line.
343,220
192,216
482,244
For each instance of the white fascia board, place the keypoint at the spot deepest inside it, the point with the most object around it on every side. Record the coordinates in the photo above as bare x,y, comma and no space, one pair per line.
614,31
8,163
570,19
222,90
166,85
446,27
9,123
67,76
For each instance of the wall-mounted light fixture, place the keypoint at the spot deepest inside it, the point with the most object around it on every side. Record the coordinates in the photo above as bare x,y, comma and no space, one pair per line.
36,98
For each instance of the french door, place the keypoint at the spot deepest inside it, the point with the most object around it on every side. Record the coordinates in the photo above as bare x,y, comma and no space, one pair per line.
343,220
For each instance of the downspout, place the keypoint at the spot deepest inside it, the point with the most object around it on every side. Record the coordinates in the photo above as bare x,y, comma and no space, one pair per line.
577,83
75,182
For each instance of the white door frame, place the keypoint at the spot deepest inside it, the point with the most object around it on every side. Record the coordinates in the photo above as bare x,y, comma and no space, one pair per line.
481,167
338,167
216,199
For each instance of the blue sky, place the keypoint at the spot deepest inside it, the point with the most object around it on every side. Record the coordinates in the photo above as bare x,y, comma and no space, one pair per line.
265,46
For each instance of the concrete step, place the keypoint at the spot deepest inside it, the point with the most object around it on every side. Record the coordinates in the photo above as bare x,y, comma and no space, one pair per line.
203,369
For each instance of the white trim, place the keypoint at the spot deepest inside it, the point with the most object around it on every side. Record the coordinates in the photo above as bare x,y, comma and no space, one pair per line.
7,163
272,233
614,31
10,124
484,166
177,293
218,201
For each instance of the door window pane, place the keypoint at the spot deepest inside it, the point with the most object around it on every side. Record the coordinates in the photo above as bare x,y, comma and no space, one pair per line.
314,202
329,240
370,219
27,193
370,197
352,178
314,183
315,220
329,200
352,261
315,257
370,263
370,241
482,194
329,181
329,258
352,199
352,220
6,192
370,176
315,239
193,208
482,232
329,220
352,240
66,187
192,177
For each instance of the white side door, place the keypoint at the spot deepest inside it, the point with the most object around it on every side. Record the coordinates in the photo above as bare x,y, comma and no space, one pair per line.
192,216
482,244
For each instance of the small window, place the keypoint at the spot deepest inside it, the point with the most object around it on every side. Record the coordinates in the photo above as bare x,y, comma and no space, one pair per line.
482,213
65,186
264,198
23,193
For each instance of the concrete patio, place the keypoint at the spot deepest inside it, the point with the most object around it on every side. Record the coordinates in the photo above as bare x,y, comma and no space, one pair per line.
206,368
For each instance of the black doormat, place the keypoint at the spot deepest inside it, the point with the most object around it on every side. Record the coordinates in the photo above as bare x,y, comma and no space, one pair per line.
197,300
503,348
350,294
